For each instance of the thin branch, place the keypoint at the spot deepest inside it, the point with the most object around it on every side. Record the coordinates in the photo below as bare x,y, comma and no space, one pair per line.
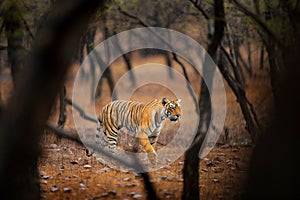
253,112
81,111
258,20
141,22
238,84
240,88
247,108
135,164
195,3
65,134
27,27
185,75
256,4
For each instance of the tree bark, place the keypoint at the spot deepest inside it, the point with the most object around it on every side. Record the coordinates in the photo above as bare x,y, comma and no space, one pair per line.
107,73
62,107
89,41
191,164
274,170
127,61
262,57
240,92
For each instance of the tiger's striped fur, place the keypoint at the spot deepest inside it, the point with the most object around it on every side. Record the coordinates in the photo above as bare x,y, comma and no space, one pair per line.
144,119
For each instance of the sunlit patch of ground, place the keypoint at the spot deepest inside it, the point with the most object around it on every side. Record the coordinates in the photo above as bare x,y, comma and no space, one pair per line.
66,173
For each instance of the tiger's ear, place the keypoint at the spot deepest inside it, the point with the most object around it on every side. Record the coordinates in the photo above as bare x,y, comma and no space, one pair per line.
164,101
178,100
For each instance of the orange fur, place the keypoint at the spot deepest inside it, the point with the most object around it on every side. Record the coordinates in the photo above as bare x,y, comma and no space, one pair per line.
144,119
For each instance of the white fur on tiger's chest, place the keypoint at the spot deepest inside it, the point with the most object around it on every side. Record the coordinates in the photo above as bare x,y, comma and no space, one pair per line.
157,124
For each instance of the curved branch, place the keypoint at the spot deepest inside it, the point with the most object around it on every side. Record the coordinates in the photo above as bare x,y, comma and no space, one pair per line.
200,9
81,111
27,27
258,20
175,57
63,133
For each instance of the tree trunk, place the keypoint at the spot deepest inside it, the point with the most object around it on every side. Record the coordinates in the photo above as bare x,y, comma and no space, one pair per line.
236,86
262,57
24,117
249,54
274,170
108,73
14,32
126,58
89,41
191,164
274,69
169,63
62,107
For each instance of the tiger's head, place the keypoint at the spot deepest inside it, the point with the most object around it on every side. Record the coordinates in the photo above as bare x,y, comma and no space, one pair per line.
172,109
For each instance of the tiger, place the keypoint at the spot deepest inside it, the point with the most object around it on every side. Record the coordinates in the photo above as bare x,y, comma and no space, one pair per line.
144,120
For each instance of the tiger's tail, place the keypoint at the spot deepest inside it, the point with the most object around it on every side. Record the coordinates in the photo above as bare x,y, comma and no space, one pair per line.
100,124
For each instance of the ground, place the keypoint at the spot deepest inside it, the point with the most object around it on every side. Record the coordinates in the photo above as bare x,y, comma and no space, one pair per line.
67,173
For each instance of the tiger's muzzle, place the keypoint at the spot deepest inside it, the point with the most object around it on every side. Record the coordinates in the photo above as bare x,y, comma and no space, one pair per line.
174,118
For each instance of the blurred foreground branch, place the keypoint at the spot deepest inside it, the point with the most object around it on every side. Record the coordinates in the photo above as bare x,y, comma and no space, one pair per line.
135,164
65,134
81,111
23,119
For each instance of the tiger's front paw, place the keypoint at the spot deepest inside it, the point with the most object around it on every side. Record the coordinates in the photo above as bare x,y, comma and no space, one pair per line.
152,156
